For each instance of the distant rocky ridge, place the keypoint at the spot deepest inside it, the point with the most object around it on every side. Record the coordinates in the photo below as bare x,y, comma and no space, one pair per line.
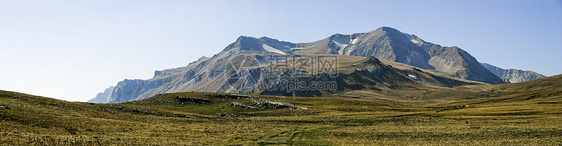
513,75
207,74
102,97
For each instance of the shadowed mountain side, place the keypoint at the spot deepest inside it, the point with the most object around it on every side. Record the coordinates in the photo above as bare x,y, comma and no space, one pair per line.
369,74
550,87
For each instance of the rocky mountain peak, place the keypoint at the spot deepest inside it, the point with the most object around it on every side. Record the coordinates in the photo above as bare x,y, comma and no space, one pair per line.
388,29
394,34
263,44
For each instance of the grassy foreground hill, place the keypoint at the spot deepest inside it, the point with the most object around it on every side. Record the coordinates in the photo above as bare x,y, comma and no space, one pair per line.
508,114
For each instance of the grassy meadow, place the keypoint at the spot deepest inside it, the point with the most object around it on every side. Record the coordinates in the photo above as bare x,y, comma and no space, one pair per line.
510,114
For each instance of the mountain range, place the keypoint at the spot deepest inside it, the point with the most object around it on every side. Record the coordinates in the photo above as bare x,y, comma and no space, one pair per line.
379,61
513,75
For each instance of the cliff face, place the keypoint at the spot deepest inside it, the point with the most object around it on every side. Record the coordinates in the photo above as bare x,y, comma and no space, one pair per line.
513,75
132,89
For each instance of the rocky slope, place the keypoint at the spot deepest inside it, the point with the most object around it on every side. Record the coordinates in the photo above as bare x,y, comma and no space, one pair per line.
362,73
390,44
256,75
242,66
513,75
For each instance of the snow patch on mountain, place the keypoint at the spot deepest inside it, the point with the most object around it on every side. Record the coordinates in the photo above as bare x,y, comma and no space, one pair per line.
296,48
413,77
273,50
354,41
341,45
415,41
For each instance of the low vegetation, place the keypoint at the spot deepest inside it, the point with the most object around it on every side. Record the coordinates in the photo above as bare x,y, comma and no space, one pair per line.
511,114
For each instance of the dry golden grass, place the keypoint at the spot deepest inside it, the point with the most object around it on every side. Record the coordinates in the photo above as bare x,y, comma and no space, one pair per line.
511,114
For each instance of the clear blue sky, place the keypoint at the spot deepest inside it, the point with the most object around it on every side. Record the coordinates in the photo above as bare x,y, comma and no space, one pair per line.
72,50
